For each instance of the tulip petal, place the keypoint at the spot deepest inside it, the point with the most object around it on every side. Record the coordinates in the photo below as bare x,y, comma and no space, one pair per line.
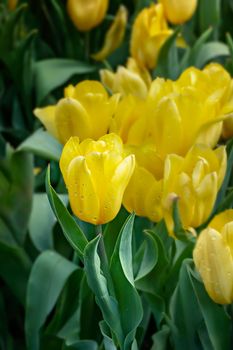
47,117
84,200
70,151
214,262
71,119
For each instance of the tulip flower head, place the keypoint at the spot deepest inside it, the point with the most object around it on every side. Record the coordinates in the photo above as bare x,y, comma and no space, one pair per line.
131,79
87,14
195,181
213,257
96,174
85,111
179,11
149,33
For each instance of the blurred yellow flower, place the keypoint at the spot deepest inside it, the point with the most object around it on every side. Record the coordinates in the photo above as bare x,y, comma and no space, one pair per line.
86,111
96,174
179,11
114,35
12,4
195,181
131,79
213,257
87,14
150,31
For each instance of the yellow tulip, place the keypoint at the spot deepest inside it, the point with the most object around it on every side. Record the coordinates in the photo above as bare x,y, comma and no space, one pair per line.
195,181
131,79
183,118
85,111
12,4
213,257
87,14
96,174
179,11
144,191
114,35
149,33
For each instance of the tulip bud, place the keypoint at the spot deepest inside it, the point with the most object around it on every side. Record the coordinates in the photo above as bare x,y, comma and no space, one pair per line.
213,257
130,80
195,180
87,14
179,11
86,111
96,174
149,33
114,35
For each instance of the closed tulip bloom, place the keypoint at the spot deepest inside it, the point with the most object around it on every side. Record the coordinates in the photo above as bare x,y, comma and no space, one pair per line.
114,35
179,11
144,191
149,33
87,14
96,174
85,111
131,79
213,257
195,181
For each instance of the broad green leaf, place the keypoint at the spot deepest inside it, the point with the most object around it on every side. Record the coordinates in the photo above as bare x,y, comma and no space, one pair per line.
160,339
147,257
48,276
108,343
98,284
81,345
71,230
16,188
15,267
121,268
42,220
53,72
189,307
209,13
210,51
168,65
43,145
191,57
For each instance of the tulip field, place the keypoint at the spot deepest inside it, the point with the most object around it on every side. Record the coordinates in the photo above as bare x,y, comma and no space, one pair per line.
116,175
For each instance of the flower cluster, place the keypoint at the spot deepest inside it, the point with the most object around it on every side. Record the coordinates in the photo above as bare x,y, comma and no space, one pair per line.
152,142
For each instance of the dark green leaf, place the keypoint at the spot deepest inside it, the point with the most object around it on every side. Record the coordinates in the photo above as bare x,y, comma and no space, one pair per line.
51,73
42,144
70,228
48,276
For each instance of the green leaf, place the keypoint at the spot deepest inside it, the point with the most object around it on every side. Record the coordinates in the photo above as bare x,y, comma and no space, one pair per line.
191,306
82,345
48,276
42,144
209,12
15,264
16,188
147,257
42,220
71,230
98,284
160,339
121,268
190,58
210,51
52,73
168,65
